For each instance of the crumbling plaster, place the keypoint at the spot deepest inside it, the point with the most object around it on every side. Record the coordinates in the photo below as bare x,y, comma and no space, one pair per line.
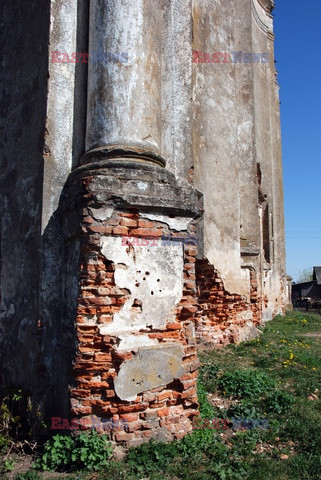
153,276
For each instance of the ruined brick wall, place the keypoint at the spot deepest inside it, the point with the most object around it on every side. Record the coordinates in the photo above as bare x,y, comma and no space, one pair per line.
222,317
139,371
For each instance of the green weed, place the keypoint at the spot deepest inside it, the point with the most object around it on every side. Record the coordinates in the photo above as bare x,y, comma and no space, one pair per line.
88,451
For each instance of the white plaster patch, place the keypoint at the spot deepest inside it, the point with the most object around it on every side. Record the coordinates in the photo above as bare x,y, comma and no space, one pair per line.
191,329
246,283
130,343
91,320
154,277
178,223
246,315
102,214
142,185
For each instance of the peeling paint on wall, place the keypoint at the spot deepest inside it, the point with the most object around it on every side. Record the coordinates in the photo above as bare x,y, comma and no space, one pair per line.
153,276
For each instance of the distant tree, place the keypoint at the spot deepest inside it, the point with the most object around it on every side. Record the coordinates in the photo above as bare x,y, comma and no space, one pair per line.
305,275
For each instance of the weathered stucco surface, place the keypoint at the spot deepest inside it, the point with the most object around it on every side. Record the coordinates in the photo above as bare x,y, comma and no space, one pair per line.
237,145
150,368
153,276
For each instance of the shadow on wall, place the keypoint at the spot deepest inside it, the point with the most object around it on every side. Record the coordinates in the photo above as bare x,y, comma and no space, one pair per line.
24,64
36,330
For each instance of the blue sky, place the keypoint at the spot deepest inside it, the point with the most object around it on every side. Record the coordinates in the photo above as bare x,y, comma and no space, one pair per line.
298,54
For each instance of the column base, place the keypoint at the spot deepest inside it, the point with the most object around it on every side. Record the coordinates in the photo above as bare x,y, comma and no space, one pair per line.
135,371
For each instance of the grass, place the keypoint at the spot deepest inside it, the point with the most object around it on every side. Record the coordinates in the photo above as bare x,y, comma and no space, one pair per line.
275,377
289,352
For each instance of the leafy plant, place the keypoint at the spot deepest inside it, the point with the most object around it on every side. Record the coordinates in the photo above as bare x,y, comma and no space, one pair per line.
245,442
150,457
89,451
179,459
4,442
15,417
209,373
278,402
245,384
205,408
30,475
57,453
245,409
8,465
198,443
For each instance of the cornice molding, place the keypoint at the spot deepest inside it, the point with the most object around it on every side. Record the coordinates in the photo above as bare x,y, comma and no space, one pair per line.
261,10
268,5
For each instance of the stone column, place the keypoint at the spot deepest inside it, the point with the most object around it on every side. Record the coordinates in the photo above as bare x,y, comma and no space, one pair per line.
124,80
136,364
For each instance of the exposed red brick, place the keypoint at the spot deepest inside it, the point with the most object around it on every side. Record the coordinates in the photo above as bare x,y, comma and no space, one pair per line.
218,309
132,408
102,357
174,326
128,222
145,224
129,417
97,362
120,230
146,232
